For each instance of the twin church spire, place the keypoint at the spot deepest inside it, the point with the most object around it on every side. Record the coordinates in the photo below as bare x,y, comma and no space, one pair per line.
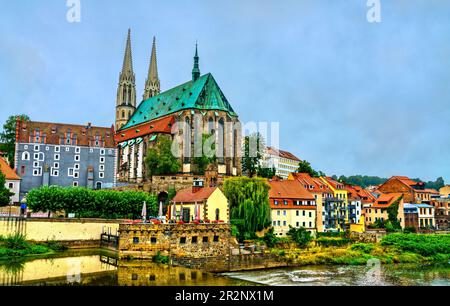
126,92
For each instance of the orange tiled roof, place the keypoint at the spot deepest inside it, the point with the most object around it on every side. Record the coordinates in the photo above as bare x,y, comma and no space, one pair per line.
289,190
281,153
187,196
406,180
54,132
7,171
162,125
335,184
306,180
386,199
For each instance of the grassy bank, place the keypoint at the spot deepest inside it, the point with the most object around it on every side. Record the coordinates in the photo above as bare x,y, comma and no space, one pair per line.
17,246
394,248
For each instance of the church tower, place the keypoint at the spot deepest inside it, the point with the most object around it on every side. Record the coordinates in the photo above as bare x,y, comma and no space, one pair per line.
152,85
126,91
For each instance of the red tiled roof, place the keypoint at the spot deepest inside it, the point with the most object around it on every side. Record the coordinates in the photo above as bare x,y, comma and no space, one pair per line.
7,171
187,196
289,190
306,180
163,125
386,200
406,180
281,153
54,132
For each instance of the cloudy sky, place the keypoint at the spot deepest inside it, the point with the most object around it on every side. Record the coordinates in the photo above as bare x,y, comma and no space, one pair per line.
352,97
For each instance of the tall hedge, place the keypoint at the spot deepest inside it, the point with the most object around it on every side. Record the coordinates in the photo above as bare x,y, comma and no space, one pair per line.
87,203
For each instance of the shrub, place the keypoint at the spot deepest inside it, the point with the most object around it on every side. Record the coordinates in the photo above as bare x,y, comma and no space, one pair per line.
426,245
300,236
363,247
16,241
326,242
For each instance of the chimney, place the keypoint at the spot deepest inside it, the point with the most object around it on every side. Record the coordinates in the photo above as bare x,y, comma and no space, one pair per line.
197,185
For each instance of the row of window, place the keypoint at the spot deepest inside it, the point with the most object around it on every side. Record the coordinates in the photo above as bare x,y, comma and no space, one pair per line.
183,240
285,202
40,157
297,224
297,213
57,149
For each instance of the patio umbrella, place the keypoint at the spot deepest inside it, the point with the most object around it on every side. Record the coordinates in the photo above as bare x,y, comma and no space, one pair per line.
181,211
160,212
195,211
174,211
144,211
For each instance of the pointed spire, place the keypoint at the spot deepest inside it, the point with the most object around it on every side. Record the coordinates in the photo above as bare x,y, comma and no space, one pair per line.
127,59
152,83
153,69
196,69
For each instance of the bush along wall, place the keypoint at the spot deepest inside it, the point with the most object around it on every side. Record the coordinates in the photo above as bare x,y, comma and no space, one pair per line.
87,203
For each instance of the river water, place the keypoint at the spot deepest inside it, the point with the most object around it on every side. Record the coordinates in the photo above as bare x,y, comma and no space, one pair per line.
101,268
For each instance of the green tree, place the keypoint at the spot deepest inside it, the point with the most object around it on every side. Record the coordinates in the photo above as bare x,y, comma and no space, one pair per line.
5,194
253,151
160,160
305,167
8,136
249,205
266,172
300,236
201,162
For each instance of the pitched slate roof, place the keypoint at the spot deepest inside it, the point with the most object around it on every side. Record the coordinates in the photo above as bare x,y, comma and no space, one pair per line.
187,196
7,171
202,94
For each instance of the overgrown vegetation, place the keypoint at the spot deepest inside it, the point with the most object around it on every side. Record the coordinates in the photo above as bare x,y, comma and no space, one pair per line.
249,205
8,136
208,154
87,203
16,245
393,248
425,245
300,236
158,258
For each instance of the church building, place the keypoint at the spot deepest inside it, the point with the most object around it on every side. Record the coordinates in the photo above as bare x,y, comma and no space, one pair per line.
198,103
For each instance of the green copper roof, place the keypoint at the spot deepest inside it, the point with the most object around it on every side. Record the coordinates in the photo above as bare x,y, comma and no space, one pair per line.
202,94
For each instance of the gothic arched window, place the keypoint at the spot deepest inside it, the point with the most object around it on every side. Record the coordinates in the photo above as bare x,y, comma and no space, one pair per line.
221,140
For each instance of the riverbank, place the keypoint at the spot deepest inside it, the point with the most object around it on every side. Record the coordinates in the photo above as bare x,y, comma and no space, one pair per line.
394,248
16,246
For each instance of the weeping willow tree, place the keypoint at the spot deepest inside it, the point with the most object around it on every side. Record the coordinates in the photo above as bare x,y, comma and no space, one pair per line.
249,205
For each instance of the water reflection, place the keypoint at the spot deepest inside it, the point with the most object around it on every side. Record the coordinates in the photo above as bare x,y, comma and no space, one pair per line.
100,268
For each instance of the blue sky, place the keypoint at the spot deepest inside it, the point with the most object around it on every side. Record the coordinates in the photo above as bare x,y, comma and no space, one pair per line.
352,97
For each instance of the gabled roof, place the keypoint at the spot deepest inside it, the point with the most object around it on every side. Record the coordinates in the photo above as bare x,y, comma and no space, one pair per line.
386,199
187,196
202,94
333,183
281,153
289,190
7,171
306,180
